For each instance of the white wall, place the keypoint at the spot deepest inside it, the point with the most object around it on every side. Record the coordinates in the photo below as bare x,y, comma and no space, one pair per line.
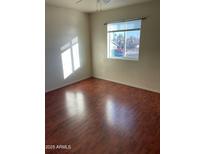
62,25
144,73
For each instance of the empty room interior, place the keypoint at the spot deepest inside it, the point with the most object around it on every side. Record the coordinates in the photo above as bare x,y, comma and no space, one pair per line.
102,76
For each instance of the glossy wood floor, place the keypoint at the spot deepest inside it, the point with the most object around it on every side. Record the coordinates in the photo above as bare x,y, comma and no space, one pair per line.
100,117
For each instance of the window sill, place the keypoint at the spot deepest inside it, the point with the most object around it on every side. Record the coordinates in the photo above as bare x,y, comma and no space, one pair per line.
126,59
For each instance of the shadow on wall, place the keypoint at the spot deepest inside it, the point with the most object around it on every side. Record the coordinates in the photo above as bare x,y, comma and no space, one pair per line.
70,57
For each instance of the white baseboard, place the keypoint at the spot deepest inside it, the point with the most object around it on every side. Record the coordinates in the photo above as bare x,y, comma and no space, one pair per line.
67,84
127,84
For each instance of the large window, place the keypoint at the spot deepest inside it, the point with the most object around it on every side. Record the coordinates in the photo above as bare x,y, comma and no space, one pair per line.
123,40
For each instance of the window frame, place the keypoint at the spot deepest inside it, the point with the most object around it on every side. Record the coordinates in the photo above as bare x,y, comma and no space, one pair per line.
108,56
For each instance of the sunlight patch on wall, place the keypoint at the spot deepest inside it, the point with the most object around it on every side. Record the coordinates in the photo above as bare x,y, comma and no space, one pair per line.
76,58
70,57
67,63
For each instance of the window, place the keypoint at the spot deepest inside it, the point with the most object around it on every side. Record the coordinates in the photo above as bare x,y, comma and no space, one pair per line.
123,40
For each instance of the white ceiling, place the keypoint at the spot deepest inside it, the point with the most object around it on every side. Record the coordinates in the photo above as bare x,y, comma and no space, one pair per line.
90,5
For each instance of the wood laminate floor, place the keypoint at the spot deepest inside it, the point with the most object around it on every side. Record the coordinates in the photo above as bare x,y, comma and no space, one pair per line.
100,117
